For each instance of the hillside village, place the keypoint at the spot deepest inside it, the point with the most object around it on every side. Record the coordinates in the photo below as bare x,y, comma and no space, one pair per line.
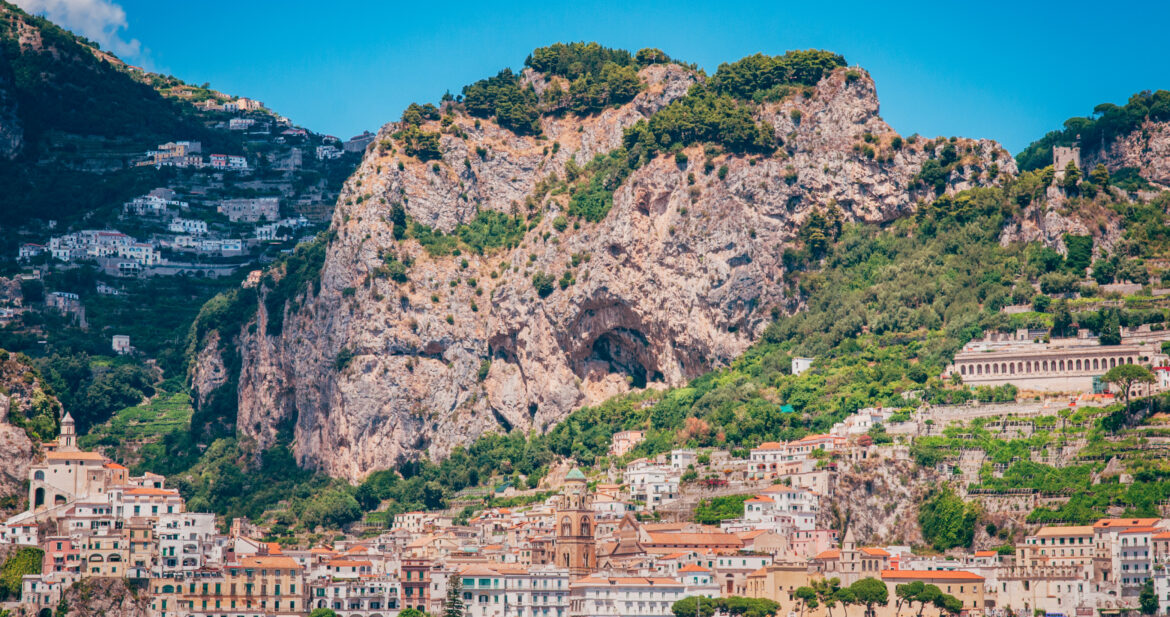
592,547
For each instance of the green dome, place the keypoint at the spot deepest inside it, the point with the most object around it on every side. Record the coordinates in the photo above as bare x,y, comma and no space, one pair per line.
575,475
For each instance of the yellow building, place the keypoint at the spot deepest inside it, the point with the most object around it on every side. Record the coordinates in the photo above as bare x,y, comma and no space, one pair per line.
266,585
964,586
104,556
778,582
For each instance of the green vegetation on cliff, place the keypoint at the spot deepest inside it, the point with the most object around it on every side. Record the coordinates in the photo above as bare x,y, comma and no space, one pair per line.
1108,122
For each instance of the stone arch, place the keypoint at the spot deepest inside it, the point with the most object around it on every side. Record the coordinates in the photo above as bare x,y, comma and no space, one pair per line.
39,496
963,369
1078,364
1130,361
96,558
59,500
1095,366
1046,366
1112,362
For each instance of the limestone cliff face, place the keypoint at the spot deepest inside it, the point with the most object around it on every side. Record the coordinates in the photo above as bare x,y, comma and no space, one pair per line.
1147,149
16,453
21,398
679,278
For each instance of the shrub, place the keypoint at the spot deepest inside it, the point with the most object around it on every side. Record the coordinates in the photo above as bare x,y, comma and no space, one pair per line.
543,284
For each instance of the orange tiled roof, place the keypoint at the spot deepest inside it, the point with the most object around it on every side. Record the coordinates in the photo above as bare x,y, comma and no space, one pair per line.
74,456
1113,523
693,568
833,553
158,492
931,575
348,563
985,553
270,561
875,552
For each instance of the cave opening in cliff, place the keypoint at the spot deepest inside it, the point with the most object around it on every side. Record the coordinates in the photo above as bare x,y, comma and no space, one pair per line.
625,352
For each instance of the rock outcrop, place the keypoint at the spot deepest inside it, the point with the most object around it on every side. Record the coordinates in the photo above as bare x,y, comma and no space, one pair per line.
680,277
107,597
1146,149
23,401
16,453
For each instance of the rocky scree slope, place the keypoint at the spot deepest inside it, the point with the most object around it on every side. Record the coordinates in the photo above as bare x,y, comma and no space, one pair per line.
679,277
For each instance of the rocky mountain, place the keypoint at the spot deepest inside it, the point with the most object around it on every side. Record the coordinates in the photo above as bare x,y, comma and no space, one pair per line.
680,276
28,415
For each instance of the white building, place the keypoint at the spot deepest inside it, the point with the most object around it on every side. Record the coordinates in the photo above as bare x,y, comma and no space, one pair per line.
326,153
187,226
652,484
184,541
121,344
629,596
800,365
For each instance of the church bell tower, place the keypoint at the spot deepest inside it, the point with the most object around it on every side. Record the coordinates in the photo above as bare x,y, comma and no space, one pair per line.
575,548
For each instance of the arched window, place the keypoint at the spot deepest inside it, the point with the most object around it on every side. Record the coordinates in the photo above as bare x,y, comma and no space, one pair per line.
566,526
39,475
585,531
963,369
979,368
1062,366
1112,362
1095,366
39,497
1078,364
1130,361
1046,366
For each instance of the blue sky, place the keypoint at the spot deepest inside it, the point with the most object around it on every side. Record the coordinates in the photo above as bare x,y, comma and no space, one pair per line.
1006,71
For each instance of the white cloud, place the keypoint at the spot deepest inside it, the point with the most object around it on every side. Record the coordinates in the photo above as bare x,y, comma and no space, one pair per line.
103,21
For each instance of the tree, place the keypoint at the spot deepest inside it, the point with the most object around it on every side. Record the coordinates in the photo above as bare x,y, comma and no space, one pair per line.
827,590
1072,176
1126,376
1099,175
1111,328
808,598
688,607
947,522
323,612
454,598
870,592
948,604
846,597
1061,318
412,612
906,593
1147,598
